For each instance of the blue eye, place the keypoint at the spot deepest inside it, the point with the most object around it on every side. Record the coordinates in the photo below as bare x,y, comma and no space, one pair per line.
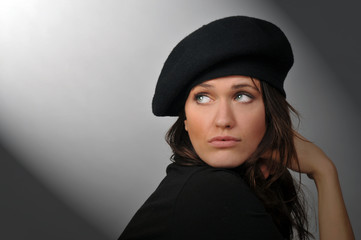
241,97
202,98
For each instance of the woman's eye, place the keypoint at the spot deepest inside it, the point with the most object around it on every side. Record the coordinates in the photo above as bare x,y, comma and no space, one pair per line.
202,99
240,97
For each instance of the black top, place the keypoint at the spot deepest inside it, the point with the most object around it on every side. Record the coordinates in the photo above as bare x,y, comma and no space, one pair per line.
201,202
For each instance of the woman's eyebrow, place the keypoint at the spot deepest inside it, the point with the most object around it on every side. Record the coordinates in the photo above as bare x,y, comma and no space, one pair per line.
205,85
238,86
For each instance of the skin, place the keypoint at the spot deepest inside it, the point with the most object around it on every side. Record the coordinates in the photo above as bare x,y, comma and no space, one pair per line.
334,223
218,108
228,106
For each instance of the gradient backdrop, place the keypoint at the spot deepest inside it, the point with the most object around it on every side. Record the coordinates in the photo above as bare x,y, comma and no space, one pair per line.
81,150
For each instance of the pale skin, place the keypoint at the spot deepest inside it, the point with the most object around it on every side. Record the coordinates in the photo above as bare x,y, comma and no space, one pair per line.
230,106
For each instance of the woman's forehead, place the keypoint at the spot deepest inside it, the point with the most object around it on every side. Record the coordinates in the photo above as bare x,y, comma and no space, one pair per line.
233,82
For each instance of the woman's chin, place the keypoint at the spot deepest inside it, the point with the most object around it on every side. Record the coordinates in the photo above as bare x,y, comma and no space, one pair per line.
224,162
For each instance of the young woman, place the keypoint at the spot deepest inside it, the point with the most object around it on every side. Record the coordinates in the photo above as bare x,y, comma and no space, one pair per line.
233,143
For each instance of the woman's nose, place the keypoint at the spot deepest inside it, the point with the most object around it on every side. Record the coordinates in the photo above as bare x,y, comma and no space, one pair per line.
224,115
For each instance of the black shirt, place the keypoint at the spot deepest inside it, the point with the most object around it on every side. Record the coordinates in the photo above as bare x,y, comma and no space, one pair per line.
201,202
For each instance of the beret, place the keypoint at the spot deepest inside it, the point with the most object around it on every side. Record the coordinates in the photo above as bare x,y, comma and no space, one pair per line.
237,45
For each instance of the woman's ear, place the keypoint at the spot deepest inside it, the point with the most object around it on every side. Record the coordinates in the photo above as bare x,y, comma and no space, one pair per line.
185,125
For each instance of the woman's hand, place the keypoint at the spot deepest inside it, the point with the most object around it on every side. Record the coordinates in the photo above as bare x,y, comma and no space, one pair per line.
311,159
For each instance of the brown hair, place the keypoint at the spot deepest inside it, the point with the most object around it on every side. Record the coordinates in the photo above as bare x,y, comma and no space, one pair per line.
280,193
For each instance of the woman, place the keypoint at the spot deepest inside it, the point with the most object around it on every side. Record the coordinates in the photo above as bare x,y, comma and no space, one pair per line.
233,143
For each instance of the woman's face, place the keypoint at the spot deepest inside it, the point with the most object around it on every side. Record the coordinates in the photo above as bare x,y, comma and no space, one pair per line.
225,120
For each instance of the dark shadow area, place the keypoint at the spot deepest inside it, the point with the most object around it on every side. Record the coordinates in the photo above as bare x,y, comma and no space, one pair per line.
334,29
29,211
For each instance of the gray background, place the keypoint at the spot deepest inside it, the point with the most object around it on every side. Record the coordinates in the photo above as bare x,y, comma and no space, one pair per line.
81,148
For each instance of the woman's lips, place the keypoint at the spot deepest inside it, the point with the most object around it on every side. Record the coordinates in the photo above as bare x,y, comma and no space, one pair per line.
223,141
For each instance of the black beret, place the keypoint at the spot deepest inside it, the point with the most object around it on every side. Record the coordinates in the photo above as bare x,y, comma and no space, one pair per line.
237,45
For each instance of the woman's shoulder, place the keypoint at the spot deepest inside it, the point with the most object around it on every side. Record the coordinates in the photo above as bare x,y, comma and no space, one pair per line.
201,202
214,185
217,203
203,172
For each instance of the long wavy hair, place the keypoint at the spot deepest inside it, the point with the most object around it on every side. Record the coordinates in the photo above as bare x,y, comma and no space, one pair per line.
281,195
